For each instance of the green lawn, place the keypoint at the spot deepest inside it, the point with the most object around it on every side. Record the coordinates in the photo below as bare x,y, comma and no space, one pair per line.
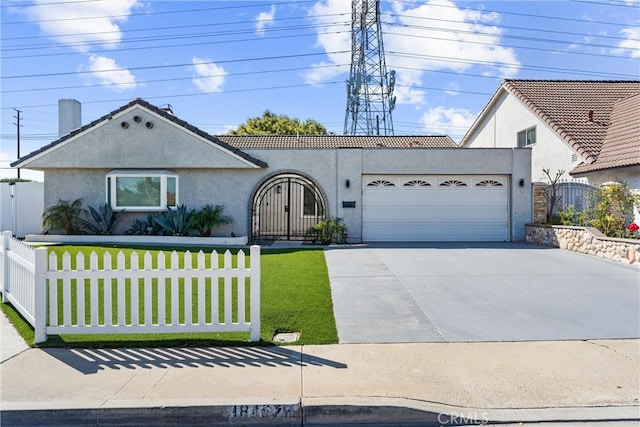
295,296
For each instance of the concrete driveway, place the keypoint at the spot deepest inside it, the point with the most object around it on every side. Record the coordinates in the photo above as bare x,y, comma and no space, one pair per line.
448,292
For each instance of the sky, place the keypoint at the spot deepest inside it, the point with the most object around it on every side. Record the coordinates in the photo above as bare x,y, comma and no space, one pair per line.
218,63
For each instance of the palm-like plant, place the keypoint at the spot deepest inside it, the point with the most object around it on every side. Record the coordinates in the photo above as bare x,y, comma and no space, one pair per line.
64,216
209,217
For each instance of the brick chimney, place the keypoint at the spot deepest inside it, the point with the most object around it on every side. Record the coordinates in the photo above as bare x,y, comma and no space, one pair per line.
69,116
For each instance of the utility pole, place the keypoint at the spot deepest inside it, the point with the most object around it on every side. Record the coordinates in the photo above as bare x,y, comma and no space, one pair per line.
370,98
18,126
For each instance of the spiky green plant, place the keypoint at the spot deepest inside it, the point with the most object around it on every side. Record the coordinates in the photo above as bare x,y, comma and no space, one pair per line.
102,221
177,221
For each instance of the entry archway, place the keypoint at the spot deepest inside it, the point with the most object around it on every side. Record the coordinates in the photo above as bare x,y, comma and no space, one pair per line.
285,206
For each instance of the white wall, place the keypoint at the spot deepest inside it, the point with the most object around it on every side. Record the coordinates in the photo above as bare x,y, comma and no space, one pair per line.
21,207
500,128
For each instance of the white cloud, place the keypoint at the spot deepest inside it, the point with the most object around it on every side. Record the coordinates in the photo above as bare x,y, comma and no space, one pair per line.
453,89
79,24
108,73
434,35
333,18
209,77
631,44
263,19
447,121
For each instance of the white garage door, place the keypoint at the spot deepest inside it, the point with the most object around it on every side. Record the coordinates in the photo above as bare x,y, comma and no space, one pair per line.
427,208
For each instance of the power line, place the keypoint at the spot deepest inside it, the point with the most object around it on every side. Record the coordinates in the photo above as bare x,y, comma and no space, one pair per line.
155,67
208,9
527,15
173,27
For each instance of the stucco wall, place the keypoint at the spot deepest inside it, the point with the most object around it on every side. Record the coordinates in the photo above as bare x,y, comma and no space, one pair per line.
329,169
165,145
500,129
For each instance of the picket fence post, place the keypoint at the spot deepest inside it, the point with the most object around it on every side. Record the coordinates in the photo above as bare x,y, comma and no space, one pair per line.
40,295
255,293
6,236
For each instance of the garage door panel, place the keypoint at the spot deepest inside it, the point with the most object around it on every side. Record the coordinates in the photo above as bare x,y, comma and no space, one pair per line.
466,208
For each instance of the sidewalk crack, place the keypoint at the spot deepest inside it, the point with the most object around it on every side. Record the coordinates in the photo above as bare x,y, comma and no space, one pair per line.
609,348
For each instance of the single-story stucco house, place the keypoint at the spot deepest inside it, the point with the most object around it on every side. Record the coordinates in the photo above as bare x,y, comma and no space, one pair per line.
391,188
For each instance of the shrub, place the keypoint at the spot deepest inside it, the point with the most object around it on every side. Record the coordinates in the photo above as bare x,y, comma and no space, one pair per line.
209,217
569,216
611,209
329,231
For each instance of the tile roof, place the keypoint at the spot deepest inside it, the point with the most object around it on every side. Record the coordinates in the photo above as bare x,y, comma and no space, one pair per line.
245,142
578,110
236,143
621,145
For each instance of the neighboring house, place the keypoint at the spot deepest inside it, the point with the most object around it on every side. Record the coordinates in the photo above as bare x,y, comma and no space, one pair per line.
587,128
142,158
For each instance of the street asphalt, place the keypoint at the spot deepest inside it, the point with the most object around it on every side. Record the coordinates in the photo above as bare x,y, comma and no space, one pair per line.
487,354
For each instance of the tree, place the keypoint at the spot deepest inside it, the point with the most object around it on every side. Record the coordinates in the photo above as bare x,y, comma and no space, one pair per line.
273,124
552,195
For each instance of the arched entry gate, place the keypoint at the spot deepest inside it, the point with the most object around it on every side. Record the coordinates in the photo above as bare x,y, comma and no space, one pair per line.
285,207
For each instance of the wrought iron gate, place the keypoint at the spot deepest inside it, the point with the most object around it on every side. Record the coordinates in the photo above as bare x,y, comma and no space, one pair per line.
285,207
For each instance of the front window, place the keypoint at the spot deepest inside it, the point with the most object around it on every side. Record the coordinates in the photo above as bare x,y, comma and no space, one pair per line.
527,137
142,190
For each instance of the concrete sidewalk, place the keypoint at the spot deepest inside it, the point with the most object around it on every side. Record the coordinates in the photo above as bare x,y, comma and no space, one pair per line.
418,384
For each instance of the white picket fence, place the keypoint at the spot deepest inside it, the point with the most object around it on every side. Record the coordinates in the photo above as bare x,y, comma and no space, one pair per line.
151,298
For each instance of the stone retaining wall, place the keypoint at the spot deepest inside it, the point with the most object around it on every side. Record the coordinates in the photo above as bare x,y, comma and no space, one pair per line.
586,240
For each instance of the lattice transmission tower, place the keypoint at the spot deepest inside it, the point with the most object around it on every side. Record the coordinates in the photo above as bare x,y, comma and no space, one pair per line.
370,98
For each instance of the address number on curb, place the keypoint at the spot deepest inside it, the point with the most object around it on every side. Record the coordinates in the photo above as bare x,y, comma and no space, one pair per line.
264,411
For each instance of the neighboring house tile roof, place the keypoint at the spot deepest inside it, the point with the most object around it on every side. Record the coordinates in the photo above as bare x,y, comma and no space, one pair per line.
579,111
245,142
621,145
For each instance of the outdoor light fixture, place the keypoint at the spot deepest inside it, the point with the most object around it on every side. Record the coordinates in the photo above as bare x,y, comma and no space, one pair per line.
278,189
521,183
347,183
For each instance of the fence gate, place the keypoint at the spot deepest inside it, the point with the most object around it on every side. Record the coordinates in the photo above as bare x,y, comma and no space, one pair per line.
285,207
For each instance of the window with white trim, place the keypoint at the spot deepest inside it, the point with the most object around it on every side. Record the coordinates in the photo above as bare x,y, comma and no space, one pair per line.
142,190
527,137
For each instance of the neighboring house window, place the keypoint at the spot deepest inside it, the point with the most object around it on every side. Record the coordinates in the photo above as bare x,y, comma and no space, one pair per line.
527,137
142,190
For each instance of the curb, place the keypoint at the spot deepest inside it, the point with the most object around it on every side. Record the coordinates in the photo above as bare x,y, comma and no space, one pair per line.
378,412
